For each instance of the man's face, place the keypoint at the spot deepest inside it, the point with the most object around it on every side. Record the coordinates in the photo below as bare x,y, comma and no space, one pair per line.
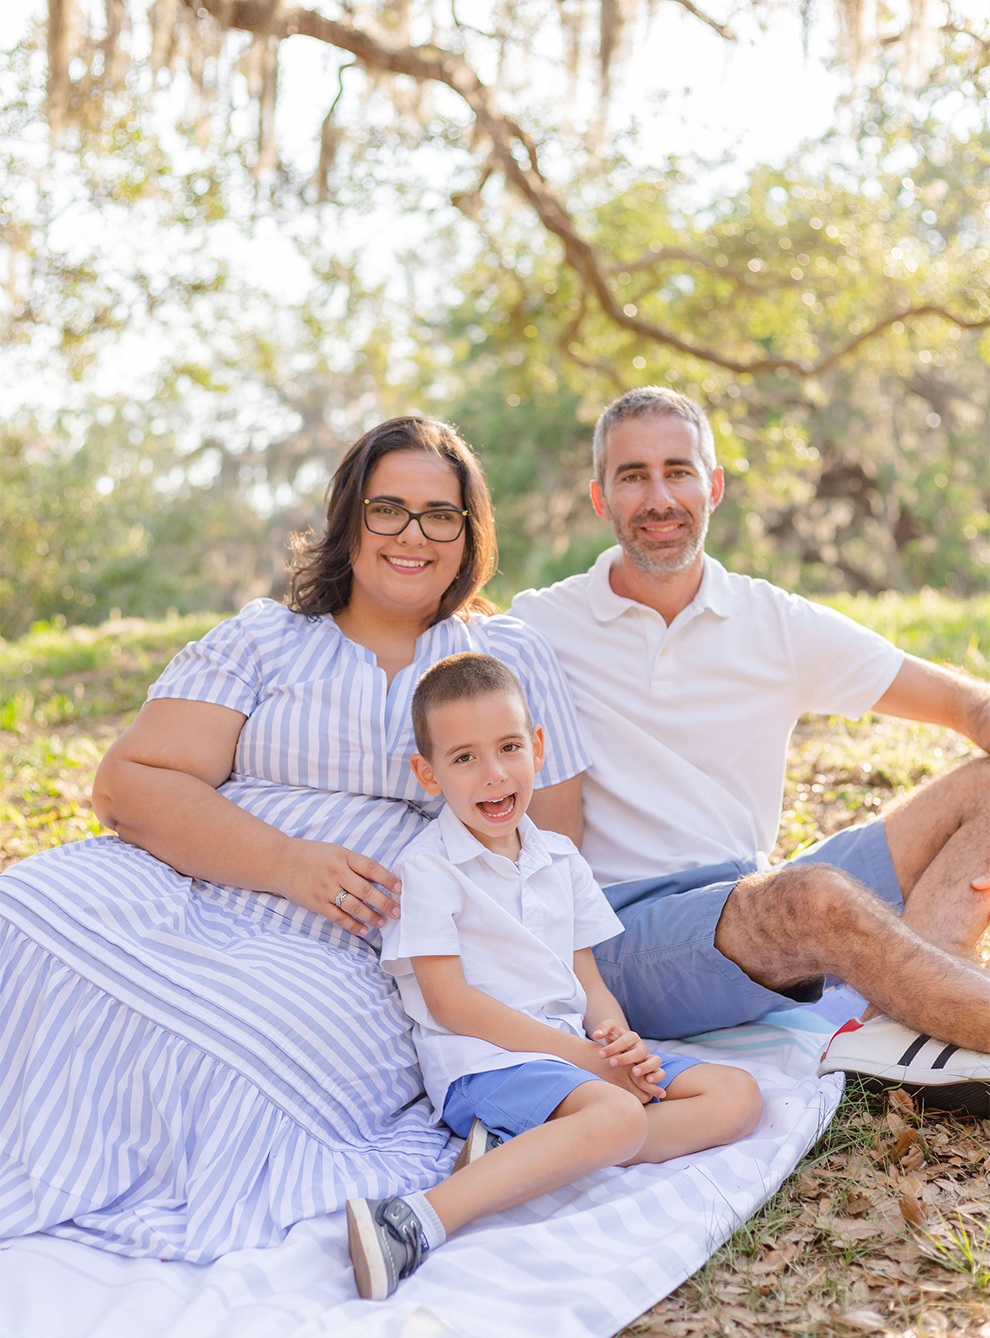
657,494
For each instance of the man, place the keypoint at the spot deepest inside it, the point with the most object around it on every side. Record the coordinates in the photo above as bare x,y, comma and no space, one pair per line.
688,681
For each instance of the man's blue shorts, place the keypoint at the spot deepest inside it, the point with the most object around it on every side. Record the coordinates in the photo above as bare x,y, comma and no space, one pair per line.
509,1101
665,970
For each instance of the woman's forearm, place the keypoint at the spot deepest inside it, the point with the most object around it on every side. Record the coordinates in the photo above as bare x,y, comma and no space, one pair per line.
186,823
157,787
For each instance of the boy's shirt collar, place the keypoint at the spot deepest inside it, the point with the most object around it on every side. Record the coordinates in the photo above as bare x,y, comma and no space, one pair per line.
462,845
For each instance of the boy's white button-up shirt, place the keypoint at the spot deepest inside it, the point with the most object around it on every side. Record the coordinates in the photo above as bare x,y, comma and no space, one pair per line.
688,725
515,927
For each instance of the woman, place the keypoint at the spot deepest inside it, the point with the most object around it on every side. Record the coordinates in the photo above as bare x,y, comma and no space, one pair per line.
203,1047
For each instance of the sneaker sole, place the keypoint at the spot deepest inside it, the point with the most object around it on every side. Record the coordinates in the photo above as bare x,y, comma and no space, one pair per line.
971,1097
474,1146
362,1241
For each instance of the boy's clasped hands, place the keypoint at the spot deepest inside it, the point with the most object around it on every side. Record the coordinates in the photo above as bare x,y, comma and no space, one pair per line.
628,1062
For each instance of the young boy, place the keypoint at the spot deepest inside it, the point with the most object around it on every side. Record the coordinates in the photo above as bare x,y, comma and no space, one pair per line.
493,959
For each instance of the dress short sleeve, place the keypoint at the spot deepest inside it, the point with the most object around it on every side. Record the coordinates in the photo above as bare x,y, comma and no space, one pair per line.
431,900
225,666
550,703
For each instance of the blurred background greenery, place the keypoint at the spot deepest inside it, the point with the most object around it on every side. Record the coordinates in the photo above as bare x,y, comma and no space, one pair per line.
195,330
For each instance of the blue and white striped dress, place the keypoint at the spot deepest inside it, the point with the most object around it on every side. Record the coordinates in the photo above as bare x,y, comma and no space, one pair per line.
190,1068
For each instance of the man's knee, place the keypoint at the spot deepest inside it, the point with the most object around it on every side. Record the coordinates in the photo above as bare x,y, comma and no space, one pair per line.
784,921
797,898
955,797
974,777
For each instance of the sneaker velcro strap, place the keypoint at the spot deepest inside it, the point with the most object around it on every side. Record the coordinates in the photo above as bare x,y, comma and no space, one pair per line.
402,1223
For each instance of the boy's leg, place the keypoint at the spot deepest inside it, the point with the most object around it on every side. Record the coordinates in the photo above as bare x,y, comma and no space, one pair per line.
706,1106
597,1125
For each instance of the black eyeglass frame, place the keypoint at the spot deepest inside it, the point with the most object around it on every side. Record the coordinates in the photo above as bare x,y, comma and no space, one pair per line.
415,515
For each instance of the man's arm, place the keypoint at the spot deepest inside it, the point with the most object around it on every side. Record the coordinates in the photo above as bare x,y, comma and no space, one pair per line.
923,691
467,1011
557,808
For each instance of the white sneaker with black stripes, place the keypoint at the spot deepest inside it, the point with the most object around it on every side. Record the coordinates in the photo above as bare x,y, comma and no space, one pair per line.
884,1054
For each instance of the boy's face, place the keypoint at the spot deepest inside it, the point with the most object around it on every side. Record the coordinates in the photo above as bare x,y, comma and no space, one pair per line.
484,759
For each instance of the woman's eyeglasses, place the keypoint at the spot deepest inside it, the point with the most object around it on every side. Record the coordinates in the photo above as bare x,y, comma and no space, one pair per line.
441,525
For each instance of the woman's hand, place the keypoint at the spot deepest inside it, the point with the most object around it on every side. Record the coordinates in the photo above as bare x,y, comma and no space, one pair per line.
317,873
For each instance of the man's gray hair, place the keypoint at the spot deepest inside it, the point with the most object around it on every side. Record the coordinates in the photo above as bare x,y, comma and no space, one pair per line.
653,402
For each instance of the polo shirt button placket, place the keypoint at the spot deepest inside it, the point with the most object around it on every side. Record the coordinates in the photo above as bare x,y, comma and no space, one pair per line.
662,671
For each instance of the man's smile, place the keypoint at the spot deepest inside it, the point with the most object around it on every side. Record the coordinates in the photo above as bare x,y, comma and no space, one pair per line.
661,527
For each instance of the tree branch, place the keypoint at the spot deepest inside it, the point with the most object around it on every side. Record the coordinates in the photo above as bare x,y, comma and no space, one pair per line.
722,29
431,63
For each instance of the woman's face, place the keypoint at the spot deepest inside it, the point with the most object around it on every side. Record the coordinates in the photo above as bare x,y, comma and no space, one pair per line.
407,572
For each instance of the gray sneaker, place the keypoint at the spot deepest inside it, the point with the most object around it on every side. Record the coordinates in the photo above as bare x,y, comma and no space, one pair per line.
479,1141
386,1244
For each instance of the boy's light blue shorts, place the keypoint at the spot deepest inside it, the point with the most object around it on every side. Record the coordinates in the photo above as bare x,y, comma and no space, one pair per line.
509,1101
665,970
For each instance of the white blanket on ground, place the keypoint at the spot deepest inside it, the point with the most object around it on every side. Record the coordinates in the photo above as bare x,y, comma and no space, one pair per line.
588,1258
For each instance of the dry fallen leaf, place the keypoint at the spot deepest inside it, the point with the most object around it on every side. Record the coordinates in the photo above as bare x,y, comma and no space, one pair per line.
912,1210
857,1204
742,1316
848,1229
902,1101
905,1139
905,1252
913,1159
867,1321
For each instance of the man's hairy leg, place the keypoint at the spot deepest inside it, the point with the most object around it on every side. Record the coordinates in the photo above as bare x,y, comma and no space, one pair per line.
802,921
939,840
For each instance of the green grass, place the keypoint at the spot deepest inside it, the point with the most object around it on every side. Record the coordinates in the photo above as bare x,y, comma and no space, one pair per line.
54,674
928,624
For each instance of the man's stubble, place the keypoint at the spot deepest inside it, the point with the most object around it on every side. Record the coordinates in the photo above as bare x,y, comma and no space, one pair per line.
657,558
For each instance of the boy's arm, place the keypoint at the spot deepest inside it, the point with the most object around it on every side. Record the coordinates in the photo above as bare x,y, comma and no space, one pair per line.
605,1021
467,1011
602,1003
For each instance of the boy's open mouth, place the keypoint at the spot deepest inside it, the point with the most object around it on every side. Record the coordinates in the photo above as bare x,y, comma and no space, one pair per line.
498,808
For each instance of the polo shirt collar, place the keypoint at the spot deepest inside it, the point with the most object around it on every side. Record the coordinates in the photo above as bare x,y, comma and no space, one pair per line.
605,604
713,593
462,846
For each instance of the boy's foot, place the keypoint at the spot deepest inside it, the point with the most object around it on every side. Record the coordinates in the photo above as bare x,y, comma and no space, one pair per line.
884,1054
386,1244
478,1142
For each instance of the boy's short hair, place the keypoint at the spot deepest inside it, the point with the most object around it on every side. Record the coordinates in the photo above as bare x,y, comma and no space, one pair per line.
455,678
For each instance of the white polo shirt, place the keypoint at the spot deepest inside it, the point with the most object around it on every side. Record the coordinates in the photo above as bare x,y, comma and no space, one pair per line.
515,927
688,725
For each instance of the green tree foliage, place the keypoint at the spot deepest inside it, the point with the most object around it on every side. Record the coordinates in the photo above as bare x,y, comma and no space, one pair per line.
198,407
176,416
870,474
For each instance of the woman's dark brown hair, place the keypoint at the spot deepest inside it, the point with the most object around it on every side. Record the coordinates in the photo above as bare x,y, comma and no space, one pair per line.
321,568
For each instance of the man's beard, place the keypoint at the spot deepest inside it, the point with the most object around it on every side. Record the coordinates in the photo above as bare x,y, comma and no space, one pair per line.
663,557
